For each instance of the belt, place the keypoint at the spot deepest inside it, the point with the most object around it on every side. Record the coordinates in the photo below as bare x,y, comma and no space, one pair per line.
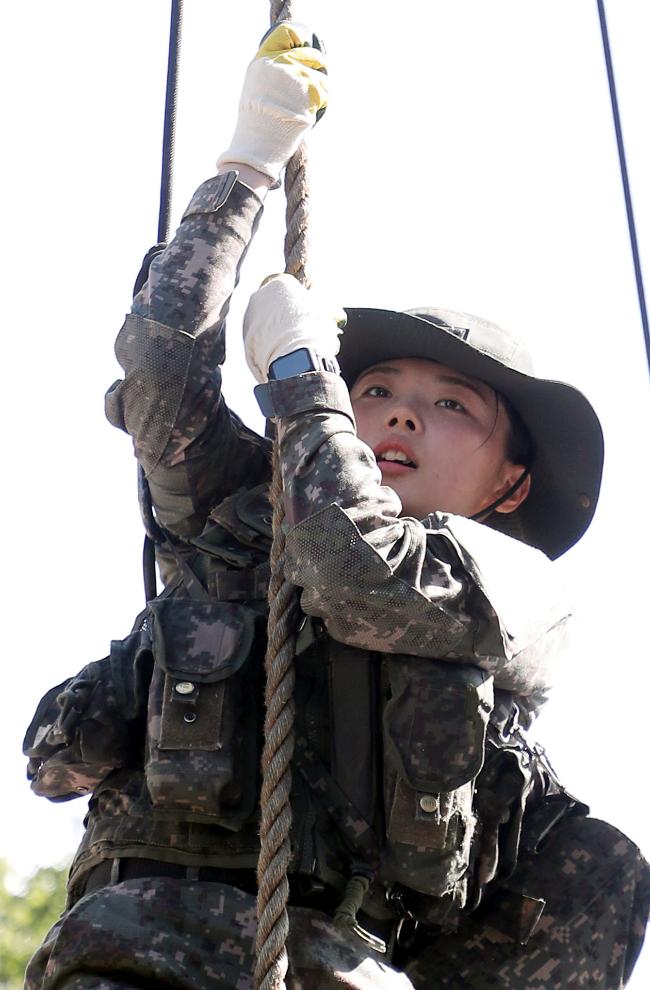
111,871
379,935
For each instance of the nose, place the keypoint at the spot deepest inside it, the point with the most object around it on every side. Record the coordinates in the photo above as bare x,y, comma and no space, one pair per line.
404,417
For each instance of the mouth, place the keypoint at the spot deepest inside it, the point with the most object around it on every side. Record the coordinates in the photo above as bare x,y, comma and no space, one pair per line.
395,458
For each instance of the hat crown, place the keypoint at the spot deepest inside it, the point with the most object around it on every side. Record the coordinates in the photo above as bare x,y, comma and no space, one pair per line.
482,335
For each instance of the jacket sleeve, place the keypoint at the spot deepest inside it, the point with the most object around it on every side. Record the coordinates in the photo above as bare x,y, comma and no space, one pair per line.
75,739
91,723
193,449
445,587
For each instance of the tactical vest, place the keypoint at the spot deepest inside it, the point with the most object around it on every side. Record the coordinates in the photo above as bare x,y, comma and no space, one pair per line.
389,748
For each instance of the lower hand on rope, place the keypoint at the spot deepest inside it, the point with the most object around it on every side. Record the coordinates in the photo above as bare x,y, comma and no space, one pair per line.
281,317
284,94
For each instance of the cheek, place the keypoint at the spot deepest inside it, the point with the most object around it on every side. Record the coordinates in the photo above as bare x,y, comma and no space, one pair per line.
460,456
451,443
468,438
363,422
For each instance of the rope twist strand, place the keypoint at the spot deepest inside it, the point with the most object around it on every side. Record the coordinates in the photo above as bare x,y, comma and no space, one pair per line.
275,827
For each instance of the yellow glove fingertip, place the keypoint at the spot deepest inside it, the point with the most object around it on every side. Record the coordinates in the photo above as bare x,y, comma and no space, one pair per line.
291,42
269,278
317,99
308,58
282,38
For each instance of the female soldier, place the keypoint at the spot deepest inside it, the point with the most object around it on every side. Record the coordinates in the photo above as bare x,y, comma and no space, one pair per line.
428,646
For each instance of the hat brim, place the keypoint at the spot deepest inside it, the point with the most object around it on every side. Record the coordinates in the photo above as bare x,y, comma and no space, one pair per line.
565,430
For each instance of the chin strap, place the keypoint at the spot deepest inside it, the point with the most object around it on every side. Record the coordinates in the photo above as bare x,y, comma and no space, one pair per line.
484,513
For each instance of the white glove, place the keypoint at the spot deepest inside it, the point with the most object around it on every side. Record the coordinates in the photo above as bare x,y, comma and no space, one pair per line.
283,316
285,88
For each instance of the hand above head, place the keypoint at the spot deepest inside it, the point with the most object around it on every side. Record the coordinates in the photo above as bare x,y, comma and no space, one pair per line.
283,316
284,93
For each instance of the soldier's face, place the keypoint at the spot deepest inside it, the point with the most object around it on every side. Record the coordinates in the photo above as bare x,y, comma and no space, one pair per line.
439,437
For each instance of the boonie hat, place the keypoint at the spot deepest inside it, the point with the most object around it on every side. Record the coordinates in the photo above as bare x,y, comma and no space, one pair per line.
566,434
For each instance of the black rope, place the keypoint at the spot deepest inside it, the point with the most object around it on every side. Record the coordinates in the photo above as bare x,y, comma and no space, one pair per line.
624,176
152,530
169,130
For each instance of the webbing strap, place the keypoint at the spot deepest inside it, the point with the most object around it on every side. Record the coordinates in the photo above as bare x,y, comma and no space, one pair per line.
356,831
353,707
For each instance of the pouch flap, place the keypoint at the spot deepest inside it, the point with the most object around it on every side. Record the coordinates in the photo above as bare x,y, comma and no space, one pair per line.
254,509
219,542
239,527
436,720
207,640
246,517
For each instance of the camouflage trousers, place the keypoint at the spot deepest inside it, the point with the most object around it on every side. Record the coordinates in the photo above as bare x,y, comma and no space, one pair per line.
162,932
596,886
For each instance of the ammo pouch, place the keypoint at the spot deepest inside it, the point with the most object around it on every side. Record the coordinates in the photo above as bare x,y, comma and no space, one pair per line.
434,741
201,758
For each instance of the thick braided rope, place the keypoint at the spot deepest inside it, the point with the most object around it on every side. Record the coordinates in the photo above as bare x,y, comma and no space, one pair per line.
275,826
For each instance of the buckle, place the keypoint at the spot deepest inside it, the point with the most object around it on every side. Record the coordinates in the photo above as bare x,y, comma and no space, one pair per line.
376,943
406,932
395,897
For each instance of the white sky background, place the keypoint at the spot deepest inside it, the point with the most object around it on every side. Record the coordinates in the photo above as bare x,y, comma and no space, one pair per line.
467,160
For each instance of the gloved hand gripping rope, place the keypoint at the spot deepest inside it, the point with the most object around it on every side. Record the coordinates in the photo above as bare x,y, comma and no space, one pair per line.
284,93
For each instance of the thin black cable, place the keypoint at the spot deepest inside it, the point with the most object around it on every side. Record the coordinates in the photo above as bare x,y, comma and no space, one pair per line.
624,176
164,215
169,130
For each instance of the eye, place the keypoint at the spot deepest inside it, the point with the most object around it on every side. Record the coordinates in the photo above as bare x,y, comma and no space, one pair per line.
377,392
451,404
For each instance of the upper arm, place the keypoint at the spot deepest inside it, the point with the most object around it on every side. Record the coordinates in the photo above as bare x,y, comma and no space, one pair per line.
385,590
193,449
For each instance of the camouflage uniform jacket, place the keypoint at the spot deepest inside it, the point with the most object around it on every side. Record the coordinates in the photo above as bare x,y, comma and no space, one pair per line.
455,624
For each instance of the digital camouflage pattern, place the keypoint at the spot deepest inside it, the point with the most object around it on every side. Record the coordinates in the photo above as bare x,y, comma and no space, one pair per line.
596,887
203,712
194,936
435,596
77,736
434,738
194,450
200,936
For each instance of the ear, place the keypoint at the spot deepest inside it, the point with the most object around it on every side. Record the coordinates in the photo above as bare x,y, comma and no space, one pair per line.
520,495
